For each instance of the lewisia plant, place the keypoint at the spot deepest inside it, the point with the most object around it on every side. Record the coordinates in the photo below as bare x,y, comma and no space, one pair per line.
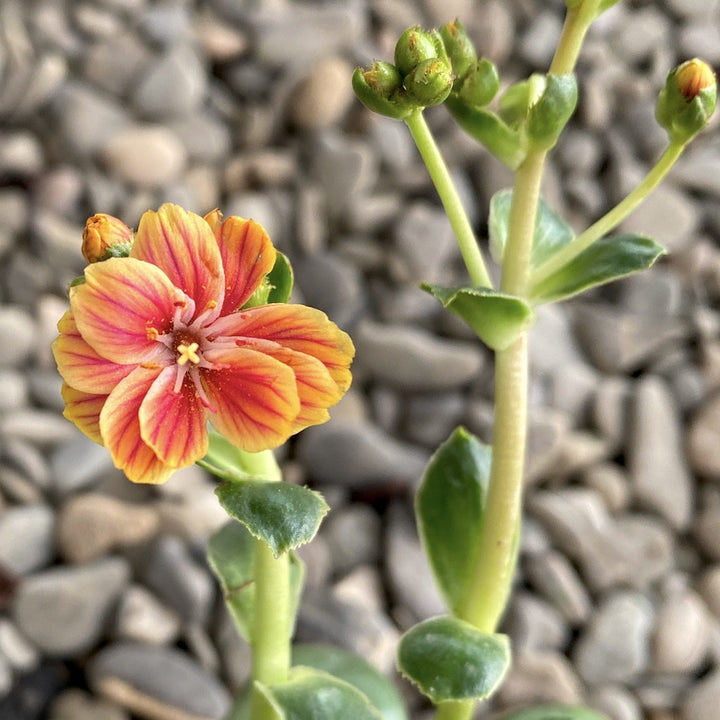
171,329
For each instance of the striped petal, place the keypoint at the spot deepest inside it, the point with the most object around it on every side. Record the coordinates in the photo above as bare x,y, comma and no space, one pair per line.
299,328
120,428
83,409
173,423
122,305
247,254
80,366
254,397
316,390
183,246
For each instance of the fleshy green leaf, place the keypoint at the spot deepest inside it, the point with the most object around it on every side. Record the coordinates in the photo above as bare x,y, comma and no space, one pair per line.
449,507
497,318
357,671
312,694
284,516
231,554
551,231
449,659
554,712
281,279
606,260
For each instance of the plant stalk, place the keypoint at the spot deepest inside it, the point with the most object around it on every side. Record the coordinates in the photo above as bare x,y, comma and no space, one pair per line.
468,244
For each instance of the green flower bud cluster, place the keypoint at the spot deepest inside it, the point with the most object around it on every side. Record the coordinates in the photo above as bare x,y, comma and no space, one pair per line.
421,76
687,101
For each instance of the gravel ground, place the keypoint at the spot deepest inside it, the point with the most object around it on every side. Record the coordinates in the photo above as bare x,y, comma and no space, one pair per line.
120,105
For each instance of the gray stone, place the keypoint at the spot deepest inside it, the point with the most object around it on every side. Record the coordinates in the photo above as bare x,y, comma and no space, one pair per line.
142,617
79,464
412,359
21,154
658,468
547,431
179,580
538,43
13,390
431,418
147,156
322,96
113,63
166,679
615,645
709,589
28,460
617,702
611,482
707,530
702,439
540,677
353,535
534,624
64,610
27,541
703,699
699,169
174,86
680,641
610,409
15,648
91,524
552,575
17,324
359,454
205,138
411,580
425,244
77,704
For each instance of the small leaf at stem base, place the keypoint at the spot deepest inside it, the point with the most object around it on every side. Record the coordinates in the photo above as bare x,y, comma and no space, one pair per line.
451,660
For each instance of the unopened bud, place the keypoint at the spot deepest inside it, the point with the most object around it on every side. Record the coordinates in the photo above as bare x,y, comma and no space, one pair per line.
104,237
430,82
381,90
687,101
413,47
481,84
461,52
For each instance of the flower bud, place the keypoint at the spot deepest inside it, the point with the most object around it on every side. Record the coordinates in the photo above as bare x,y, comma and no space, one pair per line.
380,89
481,84
687,101
430,82
460,50
413,47
104,237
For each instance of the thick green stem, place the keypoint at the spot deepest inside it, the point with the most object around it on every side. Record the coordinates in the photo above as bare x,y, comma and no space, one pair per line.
577,23
272,622
440,176
606,223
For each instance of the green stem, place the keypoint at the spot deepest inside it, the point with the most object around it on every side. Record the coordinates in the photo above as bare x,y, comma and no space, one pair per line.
440,176
606,223
577,23
272,623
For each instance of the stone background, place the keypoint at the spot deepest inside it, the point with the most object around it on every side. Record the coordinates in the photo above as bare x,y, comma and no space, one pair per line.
120,105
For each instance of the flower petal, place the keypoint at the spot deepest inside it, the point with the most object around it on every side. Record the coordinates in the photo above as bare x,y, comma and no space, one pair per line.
254,396
299,328
120,428
121,304
182,245
174,424
317,391
247,254
79,365
83,409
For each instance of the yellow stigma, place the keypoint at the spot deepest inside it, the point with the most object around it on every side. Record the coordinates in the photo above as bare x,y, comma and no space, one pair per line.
188,353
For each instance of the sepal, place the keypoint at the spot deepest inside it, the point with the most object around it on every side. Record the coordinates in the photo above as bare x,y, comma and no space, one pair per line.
548,116
380,89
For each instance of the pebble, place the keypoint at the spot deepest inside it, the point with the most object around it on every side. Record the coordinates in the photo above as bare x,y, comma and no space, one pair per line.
63,611
78,464
703,699
659,474
21,155
76,704
707,530
359,454
322,96
15,648
353,535
680,641
701,439
615,645
113,63
709,589
164,682
411,359
174,86
431,417
27,538
17,323
617,702
179,580
534,624
91,525
13,390
147,156
539,677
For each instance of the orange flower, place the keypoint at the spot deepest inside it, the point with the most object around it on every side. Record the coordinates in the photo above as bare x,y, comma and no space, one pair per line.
156,344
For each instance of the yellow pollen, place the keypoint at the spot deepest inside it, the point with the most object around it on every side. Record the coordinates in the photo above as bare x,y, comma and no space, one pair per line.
188,353
152,333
